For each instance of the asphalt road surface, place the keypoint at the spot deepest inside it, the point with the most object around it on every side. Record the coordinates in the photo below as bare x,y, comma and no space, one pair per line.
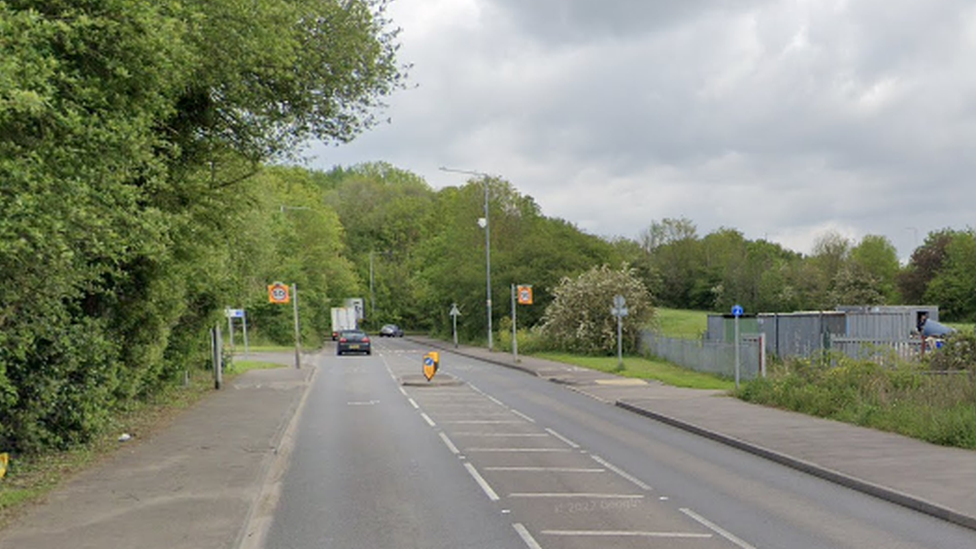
502,459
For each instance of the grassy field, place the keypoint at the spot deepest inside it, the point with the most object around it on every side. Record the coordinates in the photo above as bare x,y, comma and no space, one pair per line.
643,368
680,324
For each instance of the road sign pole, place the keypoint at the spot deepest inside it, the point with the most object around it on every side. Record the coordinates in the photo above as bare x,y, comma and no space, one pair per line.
216,346
244,322
514,329
230,330
737,352
454,314
298,331
620,346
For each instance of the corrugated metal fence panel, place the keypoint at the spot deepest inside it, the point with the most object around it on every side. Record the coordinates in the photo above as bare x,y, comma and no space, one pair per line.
911,310
793,334
887,326
715,328
884,351
714,357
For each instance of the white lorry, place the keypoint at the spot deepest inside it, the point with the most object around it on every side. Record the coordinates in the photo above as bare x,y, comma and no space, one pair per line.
343,318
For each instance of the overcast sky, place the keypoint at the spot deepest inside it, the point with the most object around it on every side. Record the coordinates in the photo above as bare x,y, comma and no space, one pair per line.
783,119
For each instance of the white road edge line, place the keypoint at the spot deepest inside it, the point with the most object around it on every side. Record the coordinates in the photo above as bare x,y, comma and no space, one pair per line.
521,415
715,528
481,482
450,445
517,450
547,469
506,435
575,495
562,438
638,482
625,533
526,536
486,422
428,420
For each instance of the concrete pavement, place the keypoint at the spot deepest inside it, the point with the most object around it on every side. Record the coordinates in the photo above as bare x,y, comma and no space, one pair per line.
932,479
195,484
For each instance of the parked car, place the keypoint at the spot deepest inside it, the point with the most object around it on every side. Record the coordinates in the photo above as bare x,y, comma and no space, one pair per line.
353,341
391,330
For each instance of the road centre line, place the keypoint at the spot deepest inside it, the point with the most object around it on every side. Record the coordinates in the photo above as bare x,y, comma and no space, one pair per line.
568,495
413,403
481,482
625,533
547,469
450,445
562,438
404,392
715,528
526,536
428,420
639,483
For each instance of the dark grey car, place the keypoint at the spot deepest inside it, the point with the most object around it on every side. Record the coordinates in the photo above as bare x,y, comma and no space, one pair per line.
353,341
391,330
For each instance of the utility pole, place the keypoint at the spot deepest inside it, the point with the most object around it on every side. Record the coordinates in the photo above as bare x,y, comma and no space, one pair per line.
486,226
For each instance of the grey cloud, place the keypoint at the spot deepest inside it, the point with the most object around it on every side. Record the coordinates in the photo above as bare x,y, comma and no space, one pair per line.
583,20
778,118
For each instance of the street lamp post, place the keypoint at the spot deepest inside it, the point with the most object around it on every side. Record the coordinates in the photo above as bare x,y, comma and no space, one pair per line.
484,177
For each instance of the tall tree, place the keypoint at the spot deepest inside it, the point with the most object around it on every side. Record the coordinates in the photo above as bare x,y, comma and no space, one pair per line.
924,265
877,256
954,286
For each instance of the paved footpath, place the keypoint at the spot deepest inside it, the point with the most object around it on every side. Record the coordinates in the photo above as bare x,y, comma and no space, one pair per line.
195,484
932,479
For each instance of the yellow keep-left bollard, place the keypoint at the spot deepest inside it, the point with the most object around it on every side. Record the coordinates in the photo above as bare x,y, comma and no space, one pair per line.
4,460
431,362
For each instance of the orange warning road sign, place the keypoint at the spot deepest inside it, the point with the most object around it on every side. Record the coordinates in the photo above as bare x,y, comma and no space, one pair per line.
278,293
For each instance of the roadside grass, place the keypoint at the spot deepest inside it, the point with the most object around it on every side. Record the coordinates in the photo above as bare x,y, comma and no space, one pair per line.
240,366
644,368
680,324
30,478
239,349
909,399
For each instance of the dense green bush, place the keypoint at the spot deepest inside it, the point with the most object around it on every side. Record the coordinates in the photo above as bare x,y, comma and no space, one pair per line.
579,319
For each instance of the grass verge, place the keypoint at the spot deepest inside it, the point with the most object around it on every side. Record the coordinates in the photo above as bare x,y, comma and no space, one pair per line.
31,477
644,368
937,407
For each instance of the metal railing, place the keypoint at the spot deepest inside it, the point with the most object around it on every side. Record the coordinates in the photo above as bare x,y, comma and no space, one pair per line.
883,351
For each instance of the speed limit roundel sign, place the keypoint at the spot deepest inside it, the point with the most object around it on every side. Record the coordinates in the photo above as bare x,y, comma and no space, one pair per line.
278,293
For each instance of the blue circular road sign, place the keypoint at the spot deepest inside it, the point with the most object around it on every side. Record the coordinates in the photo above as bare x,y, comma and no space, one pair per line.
737,310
